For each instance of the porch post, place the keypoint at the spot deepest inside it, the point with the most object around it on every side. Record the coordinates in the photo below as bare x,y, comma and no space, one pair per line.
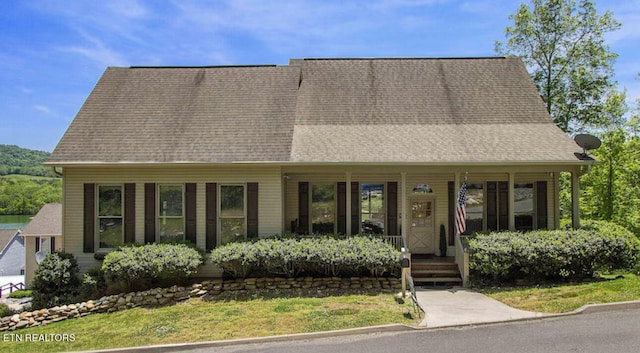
512,202
348,180
403,197
556,199
575,199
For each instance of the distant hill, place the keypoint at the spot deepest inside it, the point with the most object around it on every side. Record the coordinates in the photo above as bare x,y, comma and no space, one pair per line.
18,160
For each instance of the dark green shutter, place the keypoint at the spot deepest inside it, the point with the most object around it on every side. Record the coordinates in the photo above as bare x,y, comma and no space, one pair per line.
541,204
492,205
190,212
342,208
451,195
252,211
37,244
89,218
130,213
53,244
303,207
211,190
355,207
503,202
149,213
392,208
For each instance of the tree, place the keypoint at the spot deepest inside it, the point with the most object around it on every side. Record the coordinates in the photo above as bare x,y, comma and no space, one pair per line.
562,45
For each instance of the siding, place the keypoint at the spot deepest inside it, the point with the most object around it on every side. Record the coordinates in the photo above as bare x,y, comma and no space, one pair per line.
269,200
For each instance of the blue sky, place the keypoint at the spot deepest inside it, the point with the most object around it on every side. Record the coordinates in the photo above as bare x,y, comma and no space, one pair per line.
52,52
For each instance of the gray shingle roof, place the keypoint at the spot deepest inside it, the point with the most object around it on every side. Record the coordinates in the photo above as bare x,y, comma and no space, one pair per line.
5,237
47,222
318,110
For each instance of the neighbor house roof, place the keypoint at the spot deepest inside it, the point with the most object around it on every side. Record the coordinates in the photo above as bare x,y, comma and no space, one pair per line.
47,222
475,110
6,235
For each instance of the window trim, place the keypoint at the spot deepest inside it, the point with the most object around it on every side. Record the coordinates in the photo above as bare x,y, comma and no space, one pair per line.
335,205
182,209
219,208
384,205
98,217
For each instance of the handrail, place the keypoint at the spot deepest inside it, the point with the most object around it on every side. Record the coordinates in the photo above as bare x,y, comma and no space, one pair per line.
11,286
462,259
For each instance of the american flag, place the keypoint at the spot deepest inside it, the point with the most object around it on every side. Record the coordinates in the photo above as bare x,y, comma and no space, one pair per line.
461,213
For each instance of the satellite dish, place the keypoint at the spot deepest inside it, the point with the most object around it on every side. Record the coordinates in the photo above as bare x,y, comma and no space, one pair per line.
587,142
40,256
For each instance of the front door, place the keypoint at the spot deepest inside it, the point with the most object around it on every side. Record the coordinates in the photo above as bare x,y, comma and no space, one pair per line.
421,226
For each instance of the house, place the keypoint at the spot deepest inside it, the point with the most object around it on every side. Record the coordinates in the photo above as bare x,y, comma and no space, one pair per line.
43,234
218,154
11,253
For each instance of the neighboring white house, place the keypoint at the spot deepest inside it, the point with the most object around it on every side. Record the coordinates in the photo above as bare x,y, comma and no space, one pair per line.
11,253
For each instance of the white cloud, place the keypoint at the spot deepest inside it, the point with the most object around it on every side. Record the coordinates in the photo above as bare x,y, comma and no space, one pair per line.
43,109
97,51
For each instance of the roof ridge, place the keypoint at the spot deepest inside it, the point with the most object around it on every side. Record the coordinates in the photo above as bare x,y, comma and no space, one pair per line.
410,58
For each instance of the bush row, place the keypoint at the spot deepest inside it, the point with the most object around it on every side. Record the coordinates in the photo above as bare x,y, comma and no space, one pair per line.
149,266
317,256
555,254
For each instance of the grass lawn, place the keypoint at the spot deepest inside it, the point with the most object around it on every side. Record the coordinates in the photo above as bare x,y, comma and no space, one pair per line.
564,298
196,320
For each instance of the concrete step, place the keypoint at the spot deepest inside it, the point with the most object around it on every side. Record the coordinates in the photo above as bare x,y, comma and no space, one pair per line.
435,273
434,266
437,280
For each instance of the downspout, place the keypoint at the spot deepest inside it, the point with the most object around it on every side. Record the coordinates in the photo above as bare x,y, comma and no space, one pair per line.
56,172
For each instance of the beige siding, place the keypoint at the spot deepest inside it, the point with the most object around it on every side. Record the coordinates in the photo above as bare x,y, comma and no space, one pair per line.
268,177
30,264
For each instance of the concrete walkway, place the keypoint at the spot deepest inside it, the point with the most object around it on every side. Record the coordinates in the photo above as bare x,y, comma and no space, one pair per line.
459,306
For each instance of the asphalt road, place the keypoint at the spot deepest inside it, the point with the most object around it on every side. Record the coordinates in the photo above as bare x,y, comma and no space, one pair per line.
611,331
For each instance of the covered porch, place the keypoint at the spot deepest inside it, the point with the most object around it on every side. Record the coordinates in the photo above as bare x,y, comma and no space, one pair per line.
413,206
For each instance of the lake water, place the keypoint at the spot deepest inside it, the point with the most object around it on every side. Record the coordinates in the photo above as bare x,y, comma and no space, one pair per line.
14,222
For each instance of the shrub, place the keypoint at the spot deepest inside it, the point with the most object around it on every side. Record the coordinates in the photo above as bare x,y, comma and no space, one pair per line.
55,281
5,311
19,294
311,256
92,284
541,255
147,266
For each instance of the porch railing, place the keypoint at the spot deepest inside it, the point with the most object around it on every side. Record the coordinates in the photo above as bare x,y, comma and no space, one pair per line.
396,240
11,287
462,259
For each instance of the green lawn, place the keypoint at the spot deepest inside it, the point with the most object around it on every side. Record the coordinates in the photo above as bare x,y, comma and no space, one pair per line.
564,298
196,320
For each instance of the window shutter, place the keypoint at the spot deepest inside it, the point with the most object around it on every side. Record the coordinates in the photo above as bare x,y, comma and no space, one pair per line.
541,204
342,208
130,213
392,208
303,207
190,212
252,211
53,244
503,203
451,195
212,215
37,244
492,205
355,207
89,217
149,212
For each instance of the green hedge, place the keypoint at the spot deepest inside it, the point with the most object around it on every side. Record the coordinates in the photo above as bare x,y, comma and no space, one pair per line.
313,256
147,266
555,254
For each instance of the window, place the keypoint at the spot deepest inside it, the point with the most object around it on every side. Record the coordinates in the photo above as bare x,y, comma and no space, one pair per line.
44,245
170,212
111,233
323,208
372,208
475,208
523,211
232,213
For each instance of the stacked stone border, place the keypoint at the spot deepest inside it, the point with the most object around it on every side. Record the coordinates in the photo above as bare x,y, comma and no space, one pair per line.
207,290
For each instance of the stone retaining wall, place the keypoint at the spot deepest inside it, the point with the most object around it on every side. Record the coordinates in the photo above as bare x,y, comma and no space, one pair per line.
206,290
